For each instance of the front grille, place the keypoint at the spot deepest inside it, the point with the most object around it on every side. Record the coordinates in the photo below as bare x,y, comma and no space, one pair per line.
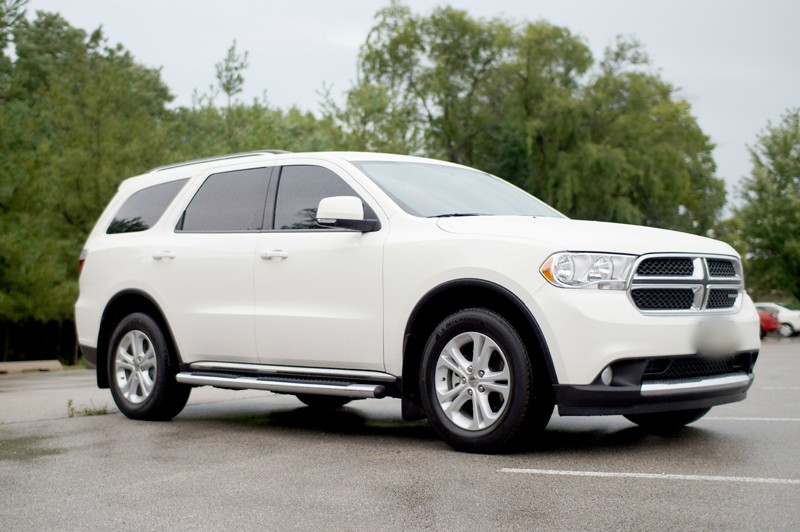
722,298
687,368
721,268
666,267
686,283
663,298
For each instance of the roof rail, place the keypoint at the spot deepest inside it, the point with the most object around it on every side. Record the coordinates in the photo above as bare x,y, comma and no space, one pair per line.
216,158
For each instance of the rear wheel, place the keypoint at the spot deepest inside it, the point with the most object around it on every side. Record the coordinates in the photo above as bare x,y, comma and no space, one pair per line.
665,422
141,371
323,402
786,330
477,383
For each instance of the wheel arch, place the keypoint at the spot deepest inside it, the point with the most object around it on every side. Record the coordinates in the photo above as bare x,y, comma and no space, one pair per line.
450,297
121,305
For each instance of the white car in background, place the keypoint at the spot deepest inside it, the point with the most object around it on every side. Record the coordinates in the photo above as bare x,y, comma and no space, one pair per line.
789,318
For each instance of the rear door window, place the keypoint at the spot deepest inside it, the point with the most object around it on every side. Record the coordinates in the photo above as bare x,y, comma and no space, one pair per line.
228,202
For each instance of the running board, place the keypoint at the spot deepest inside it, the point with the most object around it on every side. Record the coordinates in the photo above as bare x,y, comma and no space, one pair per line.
344,389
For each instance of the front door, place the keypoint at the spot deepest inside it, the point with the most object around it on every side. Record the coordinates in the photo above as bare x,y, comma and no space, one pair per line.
319,298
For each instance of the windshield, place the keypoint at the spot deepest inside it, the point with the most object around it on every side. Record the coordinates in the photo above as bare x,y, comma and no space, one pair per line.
433,190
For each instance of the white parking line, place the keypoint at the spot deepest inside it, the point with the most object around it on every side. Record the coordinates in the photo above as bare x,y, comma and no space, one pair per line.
780,387
658,476
715,418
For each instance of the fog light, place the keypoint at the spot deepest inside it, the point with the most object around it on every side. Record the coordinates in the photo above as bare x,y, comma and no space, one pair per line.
607,375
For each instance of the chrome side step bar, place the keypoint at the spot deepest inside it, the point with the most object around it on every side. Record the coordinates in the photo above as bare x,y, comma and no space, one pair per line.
344,374
356,390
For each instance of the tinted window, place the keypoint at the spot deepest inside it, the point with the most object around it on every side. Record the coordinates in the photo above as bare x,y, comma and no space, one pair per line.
299,192
143,209
230,201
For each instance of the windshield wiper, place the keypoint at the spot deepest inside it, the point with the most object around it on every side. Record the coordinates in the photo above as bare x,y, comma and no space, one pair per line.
457,214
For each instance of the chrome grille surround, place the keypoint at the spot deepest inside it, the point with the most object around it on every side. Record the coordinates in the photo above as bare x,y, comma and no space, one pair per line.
713,294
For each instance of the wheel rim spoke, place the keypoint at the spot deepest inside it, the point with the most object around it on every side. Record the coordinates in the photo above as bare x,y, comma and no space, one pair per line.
482,412
146,383
457,356
502,389
452,365
448,395
453,407
484,347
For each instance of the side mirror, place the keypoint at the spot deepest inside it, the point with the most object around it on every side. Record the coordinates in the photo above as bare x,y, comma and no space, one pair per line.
345,212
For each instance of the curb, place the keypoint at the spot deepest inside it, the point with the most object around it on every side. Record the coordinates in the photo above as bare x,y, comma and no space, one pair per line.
32,365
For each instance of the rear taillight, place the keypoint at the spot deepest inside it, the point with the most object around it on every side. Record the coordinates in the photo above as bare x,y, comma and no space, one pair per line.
81,261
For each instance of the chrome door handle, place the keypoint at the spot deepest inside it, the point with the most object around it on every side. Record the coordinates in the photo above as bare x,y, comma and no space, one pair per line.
164,254
275,254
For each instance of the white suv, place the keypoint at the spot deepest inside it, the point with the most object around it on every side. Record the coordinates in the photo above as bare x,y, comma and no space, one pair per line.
341,276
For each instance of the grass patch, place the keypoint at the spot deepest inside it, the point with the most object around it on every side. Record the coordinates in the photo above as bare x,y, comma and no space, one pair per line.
79,364
72,411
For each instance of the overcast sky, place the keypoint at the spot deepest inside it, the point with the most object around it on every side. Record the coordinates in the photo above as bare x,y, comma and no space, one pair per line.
735,61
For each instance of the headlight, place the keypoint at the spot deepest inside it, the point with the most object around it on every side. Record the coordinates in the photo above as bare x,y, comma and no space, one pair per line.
602,271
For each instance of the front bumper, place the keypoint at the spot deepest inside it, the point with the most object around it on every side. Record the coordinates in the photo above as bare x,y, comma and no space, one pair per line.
586,330
643,386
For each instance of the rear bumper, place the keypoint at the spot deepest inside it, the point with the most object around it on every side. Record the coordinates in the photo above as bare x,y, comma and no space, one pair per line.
632,391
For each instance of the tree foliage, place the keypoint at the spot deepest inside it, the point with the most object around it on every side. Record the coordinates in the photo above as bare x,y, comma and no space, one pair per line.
606,140
769,219
77,116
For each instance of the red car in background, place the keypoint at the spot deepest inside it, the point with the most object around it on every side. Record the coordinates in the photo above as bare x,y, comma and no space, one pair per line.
769,322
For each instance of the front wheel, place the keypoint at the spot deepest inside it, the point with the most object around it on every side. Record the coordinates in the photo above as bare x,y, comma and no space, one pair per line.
478,385
666,422
141,371
786,330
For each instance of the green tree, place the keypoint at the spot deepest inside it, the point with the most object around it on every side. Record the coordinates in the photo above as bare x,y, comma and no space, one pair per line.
770,214
609,140
78,116
204,129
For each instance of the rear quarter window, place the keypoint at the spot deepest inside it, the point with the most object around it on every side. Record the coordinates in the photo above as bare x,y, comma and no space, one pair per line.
144,208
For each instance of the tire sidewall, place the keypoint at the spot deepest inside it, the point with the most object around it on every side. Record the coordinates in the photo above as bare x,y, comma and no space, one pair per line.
504,335
164,371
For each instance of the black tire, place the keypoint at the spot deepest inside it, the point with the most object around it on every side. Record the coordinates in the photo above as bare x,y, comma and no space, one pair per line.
667,422
763,333
323,402
786,330
526,406
139,357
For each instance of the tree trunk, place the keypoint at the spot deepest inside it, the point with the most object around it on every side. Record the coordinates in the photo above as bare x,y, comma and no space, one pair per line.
6,335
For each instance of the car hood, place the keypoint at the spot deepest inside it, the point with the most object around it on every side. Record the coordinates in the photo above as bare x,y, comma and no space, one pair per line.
580,235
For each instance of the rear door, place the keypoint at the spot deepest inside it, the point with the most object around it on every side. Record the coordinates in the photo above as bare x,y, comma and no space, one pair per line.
203,270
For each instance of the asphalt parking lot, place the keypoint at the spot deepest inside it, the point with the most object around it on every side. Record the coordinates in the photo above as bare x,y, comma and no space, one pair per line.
253,460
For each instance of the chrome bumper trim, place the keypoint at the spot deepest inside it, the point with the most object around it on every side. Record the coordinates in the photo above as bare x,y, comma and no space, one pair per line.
721,382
